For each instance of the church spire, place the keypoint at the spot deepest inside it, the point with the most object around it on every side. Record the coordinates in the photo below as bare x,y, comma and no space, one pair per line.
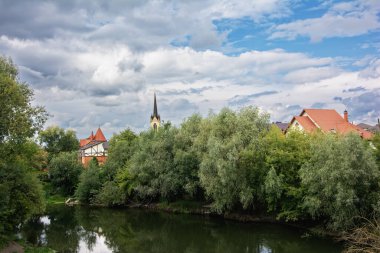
155,119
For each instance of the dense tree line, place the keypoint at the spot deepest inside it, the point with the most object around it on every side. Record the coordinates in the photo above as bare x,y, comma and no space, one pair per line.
235,161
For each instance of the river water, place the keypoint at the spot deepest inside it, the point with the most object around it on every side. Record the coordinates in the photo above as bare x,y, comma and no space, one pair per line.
83,229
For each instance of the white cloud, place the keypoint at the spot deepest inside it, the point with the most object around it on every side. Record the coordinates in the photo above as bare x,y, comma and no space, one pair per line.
103,67
341,20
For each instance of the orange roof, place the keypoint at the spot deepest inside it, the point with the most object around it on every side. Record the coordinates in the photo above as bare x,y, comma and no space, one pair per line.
83,142
328,120
325,119
99,136
347,127
306,123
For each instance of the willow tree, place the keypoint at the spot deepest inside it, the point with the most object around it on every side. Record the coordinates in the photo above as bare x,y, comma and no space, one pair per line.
232,169
341,180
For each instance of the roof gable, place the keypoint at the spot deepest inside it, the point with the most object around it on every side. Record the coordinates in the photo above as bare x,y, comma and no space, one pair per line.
99,136
306,123
325,119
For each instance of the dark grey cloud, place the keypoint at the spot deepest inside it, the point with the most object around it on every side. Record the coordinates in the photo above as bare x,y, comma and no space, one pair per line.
337,98
177,109
283,112
242,100
365,107
359,88
190,91
294,108
41,19
318,105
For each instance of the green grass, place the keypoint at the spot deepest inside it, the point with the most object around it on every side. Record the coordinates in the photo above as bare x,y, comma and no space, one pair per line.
52,197
55,199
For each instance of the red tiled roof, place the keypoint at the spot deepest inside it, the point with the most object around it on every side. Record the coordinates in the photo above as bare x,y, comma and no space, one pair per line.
99,136
328,120
83,142
306,123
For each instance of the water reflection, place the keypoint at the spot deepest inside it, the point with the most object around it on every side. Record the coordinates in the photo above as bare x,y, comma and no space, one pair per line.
80,229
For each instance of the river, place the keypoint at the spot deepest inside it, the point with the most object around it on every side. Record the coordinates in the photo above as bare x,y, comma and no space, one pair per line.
82,229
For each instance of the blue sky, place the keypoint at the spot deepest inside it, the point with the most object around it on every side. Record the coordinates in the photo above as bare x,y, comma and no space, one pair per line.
98,63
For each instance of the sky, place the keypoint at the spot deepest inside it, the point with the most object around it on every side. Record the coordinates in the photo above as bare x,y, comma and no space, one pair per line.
98,63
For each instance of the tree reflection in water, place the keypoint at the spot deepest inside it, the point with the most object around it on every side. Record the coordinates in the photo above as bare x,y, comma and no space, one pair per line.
82,229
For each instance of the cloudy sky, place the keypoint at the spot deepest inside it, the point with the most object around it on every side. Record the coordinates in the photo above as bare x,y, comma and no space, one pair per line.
98,63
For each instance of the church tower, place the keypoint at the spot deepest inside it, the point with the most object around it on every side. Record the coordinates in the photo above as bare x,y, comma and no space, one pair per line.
155,119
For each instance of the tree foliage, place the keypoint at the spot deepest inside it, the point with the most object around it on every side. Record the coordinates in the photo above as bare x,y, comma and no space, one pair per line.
56,140
18,118
89,183
231,170
21,194
121,149
151,166
64,170
341,180
284,157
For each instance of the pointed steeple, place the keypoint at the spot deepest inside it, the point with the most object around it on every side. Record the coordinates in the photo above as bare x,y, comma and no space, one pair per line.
155,110
155,113
155,119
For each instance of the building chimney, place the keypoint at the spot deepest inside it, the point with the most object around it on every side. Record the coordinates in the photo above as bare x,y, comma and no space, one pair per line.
345,115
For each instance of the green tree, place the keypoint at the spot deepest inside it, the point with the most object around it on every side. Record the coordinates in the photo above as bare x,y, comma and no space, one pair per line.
56,140
64,171
231,171
18,119
284,157
20,192
151,167
186,158
89,183
341,180
121,149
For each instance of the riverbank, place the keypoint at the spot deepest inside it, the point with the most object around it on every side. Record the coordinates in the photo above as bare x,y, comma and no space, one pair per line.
204,209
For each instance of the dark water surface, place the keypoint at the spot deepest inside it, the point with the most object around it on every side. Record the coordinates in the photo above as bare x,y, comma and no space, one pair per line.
82,229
